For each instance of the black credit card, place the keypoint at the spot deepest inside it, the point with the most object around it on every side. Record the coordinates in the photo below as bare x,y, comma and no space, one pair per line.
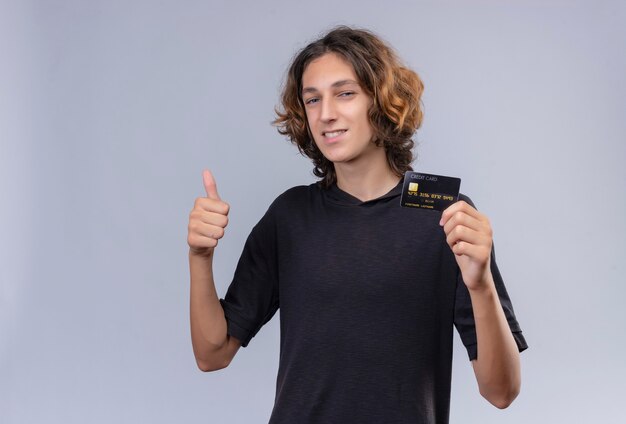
428,191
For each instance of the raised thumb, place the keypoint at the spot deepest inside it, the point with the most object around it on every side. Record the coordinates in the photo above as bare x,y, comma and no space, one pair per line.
209,185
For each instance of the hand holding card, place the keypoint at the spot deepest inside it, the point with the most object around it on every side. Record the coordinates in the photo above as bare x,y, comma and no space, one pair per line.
469,235
468,232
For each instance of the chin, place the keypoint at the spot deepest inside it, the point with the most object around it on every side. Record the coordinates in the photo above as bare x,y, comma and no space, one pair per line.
335,159
337,154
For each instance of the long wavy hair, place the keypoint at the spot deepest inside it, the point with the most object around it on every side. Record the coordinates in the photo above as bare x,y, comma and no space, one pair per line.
396,90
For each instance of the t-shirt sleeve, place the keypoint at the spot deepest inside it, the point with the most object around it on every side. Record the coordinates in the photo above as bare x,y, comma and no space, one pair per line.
252,297
464,315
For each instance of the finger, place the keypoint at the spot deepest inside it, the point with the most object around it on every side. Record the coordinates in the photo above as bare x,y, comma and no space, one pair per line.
209,185
206,230
212,205
470,250
214,218
196,241
462,218
467,235
448,212
461,205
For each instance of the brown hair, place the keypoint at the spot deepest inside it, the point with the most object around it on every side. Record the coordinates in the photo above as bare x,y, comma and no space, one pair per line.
395,113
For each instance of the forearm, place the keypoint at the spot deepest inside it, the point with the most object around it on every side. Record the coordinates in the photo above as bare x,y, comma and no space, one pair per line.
497,366
208,324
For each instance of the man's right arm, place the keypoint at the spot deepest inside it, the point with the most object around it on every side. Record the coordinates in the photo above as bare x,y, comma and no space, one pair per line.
212,346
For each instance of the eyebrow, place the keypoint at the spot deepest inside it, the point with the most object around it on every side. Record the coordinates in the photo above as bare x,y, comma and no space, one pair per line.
336,84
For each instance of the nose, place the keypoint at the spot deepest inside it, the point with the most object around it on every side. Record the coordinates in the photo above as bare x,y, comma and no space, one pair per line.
329,111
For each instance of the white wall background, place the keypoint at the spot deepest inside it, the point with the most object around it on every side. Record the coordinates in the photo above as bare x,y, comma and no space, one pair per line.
109,111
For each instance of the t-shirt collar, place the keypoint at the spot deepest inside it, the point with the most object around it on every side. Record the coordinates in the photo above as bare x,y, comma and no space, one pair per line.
340,196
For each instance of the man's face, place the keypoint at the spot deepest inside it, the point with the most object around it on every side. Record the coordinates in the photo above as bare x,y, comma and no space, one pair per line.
337,109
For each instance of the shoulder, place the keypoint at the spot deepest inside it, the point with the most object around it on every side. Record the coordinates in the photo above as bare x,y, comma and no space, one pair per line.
289,206
296,197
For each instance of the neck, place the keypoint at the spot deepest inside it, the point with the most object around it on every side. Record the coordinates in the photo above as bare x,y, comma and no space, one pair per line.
366,179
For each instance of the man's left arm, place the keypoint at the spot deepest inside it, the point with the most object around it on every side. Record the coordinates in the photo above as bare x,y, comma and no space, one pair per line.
497,366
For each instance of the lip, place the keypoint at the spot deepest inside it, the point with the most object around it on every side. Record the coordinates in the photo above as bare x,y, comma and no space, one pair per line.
335,139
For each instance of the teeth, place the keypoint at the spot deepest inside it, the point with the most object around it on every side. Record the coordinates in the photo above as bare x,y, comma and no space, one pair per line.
334,133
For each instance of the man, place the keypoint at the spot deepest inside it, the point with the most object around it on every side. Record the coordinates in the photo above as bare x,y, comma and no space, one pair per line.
368,291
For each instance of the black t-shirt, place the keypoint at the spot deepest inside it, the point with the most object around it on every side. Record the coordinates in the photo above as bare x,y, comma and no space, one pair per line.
368,295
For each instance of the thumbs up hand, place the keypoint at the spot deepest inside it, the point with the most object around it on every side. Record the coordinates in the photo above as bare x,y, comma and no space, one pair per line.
207,219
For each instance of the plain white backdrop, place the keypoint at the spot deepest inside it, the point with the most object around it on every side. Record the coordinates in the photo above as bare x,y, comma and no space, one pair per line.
109,111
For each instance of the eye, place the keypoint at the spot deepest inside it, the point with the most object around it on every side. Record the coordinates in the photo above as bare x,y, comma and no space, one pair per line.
311,101
346,94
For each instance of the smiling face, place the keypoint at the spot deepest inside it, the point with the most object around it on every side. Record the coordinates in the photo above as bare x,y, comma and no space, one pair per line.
337,110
